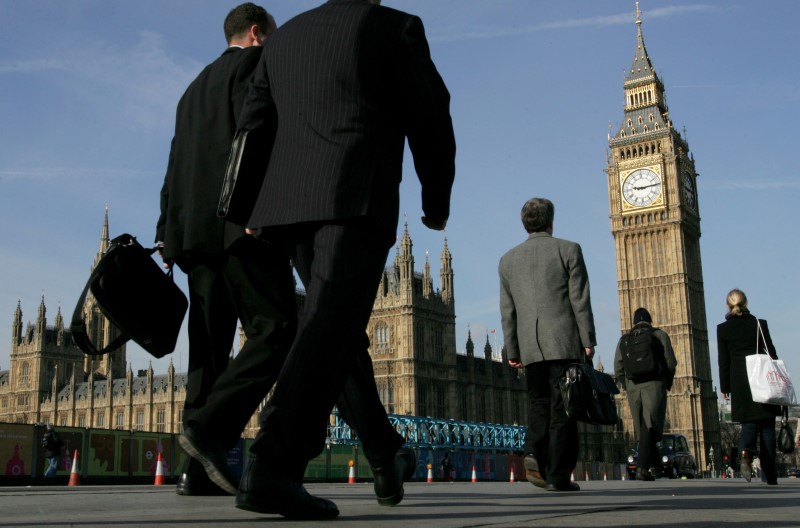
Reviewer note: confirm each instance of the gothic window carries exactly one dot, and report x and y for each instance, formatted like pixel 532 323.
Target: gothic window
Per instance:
pixel 441 405
pixel 120 421
pixel 140 420
pixel 630 123
pixel 438 347
pixel 651 118
pixel 641 120
pixel 645 130
pixel 390 396
pixel 4 403
pixel 419 340
pixel 101 420
pixel 657 127
pixel 50 372
pixel 81 420
pixel 24 374
pixel 381 337
pixel 63 421
pixel 161 420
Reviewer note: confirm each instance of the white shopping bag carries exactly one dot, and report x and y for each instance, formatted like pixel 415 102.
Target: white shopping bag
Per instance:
pixel 769 380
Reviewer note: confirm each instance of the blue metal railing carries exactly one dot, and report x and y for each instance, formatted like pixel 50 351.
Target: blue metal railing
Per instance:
pixel 426 432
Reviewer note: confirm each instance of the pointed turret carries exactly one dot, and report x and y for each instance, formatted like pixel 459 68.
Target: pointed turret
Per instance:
pixel 41 319
pixel 16 326
pixel 470 344
pixel 487 349
pixel 427 280
pixel 446 274
pixel 405 263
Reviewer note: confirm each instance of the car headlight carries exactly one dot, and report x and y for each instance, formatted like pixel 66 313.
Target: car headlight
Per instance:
pixel 630 459
pixel 665 459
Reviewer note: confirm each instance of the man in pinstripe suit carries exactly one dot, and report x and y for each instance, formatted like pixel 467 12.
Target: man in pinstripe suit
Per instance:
pixel 350 81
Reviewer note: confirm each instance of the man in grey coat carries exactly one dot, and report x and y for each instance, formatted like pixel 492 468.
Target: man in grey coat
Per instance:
pixel 547 324
pixel 647 395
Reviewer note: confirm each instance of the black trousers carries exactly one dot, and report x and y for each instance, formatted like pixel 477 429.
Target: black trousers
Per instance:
pixel 251 282
pixel 552 436
pixel 340 265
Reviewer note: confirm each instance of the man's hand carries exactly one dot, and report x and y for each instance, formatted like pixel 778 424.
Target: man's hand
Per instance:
pixel 515 363
pixel 436 225
pixel 589 353
pixel 160 248
pixel 253 231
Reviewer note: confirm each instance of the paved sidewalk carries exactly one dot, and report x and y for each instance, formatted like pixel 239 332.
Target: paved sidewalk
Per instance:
pixel 685 503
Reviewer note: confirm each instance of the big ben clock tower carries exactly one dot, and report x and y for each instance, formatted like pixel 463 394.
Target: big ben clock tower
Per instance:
pixel 655 220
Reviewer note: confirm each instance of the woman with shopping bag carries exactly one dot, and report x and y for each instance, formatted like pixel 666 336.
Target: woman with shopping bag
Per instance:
pixel 737 339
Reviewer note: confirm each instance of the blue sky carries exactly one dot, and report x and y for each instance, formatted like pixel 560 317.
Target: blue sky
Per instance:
pixel 89 89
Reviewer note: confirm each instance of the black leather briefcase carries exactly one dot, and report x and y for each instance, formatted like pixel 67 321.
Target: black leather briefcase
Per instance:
pixel 244 174
pixel 136 295
pixel 589 394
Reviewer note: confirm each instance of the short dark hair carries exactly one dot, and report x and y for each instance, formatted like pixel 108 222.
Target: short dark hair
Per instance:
pixel 242 17
pixel 537 214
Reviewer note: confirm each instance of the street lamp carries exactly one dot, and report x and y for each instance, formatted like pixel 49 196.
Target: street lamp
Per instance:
pixel 711 459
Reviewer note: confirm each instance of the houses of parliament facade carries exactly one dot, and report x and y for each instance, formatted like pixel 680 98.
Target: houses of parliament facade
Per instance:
pixel 413 347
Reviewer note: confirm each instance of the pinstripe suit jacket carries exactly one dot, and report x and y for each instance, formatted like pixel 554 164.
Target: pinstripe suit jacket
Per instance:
pixel 544 300
pixel 350 81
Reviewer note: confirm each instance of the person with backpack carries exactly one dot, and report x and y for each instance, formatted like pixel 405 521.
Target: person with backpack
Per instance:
pixel 52 450
pixel 644 364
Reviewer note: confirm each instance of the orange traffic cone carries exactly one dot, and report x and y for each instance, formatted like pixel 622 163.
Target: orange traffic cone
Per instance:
pixel 511 478
pixel 474 475
pixel 74 476
pixel 351 478
pixel 159 472
pixel 430 472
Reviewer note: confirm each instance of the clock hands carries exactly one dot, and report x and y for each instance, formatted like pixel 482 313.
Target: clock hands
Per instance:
pixel 640 187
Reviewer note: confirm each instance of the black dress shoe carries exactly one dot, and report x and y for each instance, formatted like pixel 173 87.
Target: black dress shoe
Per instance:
pixel 213 457
pixel 532 472
pixel 389 479
pixel 264 492
pixel 562 486
pixel 198 485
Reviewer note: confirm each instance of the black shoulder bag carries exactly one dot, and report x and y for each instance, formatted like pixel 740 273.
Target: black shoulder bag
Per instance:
pixel 589 394
pixel 135 294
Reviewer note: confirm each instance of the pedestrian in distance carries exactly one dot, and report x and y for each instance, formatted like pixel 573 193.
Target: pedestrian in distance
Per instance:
pixel 52 450
pixel 738 337
pixel 548 323
pixel 644 364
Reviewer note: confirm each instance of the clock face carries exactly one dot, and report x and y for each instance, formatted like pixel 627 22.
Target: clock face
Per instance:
pixel 688 189
pixel 641 187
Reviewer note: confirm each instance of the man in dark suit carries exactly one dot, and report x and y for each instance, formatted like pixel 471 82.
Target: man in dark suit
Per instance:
pixel 230 275
pixel 350 81
pixel 547 323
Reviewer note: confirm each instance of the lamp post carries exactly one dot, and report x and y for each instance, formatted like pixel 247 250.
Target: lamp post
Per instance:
pixel 711 459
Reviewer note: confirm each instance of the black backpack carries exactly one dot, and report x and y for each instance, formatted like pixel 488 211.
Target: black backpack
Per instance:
pixel 642 354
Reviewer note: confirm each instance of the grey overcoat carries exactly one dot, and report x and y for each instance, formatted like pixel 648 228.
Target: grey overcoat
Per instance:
pixel 544 300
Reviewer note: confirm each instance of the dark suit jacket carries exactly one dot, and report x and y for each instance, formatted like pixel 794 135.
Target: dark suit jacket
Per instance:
pixel 338 152
pixel 205 124
pixel 736 339
pixel 545 305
